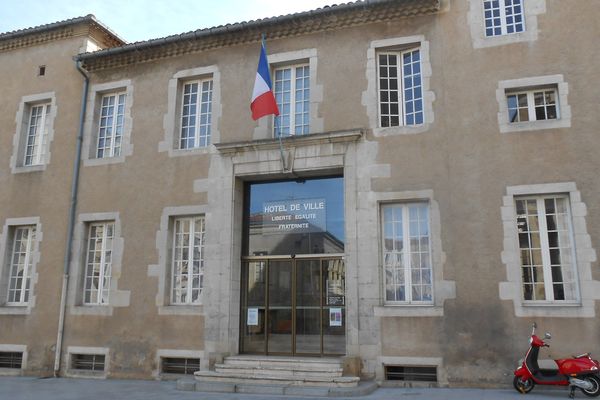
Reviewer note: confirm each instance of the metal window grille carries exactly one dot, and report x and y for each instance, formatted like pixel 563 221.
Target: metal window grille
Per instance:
pixel 174 365
pixel 11 359
pixel 410 373
pixel 110 131
pixel 88 362
pixel 21 261
pixel 196 114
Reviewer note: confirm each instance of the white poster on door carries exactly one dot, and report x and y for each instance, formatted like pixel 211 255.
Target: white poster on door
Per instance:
pixel 252 319
pixel 335 317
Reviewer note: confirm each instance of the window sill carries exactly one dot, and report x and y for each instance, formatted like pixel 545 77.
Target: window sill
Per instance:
pixel 100 310
pixel 548 304
pixel 535 125
pixel 15 310
pixel 11 371
pixel 184 309
pixel 401 130
pixel 29 168
pixel 409 310
pixel 191 152
pixel 76 373
pixel 92 162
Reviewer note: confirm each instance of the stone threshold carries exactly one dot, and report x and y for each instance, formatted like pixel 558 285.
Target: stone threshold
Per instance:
pixel 362 389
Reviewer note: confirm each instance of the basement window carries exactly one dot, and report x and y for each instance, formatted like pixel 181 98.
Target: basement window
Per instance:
pixel 176 365
pixel 11 359
pixel 88 362
pixel 410 373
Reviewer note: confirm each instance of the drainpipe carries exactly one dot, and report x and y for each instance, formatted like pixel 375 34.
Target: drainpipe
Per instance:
pixel 71 222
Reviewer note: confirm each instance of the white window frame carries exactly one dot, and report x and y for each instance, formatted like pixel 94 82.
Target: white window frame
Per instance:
pixel 545 250
pixel 293 104
pixel 105 273
pixel 26 285
pixel 116 127
pixel 39 140
pixel 179 256
pixel 531 106
pixel 503 18
pixel 198 117
pixel 402 101
pixel 407 267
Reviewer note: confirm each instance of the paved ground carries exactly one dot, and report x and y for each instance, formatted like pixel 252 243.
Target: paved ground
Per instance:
pixel 12 388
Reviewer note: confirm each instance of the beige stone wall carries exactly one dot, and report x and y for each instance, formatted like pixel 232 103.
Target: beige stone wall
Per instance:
pixel 461 160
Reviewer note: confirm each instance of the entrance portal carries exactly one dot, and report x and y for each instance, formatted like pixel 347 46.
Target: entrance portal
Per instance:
pixel 293 272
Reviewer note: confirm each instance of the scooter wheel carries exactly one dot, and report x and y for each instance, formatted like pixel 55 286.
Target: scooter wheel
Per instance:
pixel 595 390
pixel 525 386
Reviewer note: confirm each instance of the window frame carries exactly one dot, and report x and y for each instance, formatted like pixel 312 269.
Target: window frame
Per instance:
pixel 103 275
pixel 400 75
pixel 26 279
pixel 293 102
pixel 407 267
pixel 41 135
pixel 198 117
pixel 531 106
pixel 113 149
pixel 503 18
pixel 173 289
pixel 548 280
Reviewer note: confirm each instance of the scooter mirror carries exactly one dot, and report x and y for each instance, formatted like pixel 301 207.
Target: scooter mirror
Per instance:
pixel 547 335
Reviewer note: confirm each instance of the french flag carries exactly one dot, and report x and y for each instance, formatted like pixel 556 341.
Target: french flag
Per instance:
pixel 263 101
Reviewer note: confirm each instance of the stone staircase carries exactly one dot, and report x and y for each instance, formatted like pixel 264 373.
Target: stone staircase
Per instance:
pixel 281 371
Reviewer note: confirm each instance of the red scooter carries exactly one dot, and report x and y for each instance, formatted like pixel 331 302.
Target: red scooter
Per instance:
pixel 578 372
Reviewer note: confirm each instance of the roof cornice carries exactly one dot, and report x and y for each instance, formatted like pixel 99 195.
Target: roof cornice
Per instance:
pixel 319 20
pixel 80 26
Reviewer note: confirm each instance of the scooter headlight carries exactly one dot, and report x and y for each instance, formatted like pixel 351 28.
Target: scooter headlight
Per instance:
pixel 530 340
pixel 594 368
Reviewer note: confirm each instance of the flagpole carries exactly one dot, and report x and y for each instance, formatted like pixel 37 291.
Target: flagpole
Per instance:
pixel 276 123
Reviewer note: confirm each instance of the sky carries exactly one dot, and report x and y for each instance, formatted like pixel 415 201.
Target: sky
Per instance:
pixel 136 20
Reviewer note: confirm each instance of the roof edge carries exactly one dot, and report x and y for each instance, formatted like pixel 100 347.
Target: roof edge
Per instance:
pixel 254 25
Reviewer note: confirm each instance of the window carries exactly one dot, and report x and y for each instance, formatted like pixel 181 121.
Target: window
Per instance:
pixel 20 268
pixel 37 135
pixel 546 248
pixel 503 17
pixel 108 123
pixel 400 88
pixel 34 134
pixel 292 94
pixel 532 105
pixel 11 359
pixel 110 130
pixel 188 260
pixel 196 113
pixel 406 253
pixel 88 362
pixel 179 365
pixel 97 278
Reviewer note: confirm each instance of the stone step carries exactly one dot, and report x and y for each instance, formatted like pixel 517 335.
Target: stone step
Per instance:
pixel 301 370
pixel 289 363
pixel 213 376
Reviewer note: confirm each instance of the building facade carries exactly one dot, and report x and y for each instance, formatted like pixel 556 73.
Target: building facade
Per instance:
pixel 426 193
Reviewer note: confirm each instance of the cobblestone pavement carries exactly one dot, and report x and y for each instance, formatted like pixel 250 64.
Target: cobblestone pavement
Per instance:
pixel 26 388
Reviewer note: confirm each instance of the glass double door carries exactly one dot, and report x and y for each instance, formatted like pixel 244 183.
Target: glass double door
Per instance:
pixel 293 306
